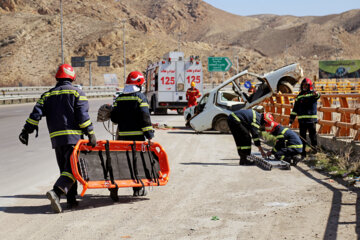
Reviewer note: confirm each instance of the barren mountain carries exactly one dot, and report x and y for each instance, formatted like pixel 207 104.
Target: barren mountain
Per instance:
pixel 30 46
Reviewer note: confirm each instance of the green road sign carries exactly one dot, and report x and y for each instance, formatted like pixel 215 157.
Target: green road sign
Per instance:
pixel 219 64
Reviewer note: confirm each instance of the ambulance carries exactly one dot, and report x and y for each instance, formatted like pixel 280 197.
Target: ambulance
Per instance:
pixel 168 79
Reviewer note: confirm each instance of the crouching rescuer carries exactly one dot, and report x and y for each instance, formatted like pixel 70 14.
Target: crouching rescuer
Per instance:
pixel 242 123
pixel 131 112
pixel 66 110
pixel 288 144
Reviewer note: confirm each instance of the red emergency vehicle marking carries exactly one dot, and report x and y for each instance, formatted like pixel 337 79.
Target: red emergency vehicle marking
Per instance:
pixel 168 80
pixel 195 79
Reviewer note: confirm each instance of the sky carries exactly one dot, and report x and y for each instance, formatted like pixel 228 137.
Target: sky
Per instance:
pixel 285 7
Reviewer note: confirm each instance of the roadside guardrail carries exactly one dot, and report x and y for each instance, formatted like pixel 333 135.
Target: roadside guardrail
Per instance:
pixel 13 95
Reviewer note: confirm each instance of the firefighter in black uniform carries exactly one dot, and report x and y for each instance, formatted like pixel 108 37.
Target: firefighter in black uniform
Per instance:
pixel 305 108
pixel 242 123
pixel 288 143
pixel 66 110
pixel 131 113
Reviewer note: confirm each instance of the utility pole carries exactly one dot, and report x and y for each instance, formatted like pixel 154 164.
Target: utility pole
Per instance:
pixel 179 38
pixel 123 22
pixel 62 36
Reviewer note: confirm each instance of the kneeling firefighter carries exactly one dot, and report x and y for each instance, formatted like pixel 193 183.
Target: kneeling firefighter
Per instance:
pixel 131 112
pixel 288 143
pixel 66 110
pixel 242 123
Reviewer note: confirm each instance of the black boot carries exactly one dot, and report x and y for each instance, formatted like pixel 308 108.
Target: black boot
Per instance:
pixel 114 194
pixel 71 202
pixel 139 191
pixel 242 161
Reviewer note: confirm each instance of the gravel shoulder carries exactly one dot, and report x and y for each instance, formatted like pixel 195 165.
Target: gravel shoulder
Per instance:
pixel 209 196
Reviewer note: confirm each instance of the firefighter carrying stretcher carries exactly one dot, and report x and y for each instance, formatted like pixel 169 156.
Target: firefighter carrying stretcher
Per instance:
pixel 192 94
pixel 131 112
pixel 66 110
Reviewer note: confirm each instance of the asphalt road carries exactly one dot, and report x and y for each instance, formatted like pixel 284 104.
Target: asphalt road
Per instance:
pixel 209 196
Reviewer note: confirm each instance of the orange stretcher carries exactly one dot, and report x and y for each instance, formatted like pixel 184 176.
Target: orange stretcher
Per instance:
pixel 119 164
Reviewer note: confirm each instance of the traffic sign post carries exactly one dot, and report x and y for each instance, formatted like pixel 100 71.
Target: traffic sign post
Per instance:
pixel 102 61
pixel 219 64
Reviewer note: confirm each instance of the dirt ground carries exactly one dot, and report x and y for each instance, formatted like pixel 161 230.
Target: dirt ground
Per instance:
pixel 209 196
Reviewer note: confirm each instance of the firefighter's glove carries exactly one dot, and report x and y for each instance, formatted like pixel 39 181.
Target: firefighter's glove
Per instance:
pixel 24 137
pixel 268 154
pixel 92 140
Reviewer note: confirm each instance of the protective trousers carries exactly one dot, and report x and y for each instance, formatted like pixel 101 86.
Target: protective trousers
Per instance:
pixel 286 153
pixel 311 127
pixel 241 136
pixel 66 182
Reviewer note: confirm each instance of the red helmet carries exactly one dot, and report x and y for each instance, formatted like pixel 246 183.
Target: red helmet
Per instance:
pixel 268 118
pixel 135 78
pixel 270 124
pixel 308 82
pixel 65 71
pixel 270 127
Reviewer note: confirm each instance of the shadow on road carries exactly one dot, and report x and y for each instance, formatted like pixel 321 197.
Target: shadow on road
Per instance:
pixel 334 216
pixel 87 202
pixel 198 133
pixel 210 164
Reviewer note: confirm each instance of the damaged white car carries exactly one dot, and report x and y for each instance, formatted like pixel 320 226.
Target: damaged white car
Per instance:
pixel 231 95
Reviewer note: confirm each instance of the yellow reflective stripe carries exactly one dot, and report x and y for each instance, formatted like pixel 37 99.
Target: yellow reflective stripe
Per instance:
pixel 284 131
pixel 115 104
pixel 147 128
pixel 254 120
pixel 256 139
pixel 307 116
pixel 306 95
pixel 279 136
pixel 133 133
pixel 69 175
pixel 244 147
pixel 65 91
pixel 293 113
pixel 85 124
pixel 65 132
pixel 236 118
pixel 32 121
pixel 296 146
pixel 282 157
pixel 274 149
pixel 127 98
pixel 144 105
pixel 83 98
pixel 40 101
pixel 91 132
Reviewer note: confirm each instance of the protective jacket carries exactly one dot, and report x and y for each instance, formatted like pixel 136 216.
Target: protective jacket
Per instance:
pixel 131 113
pixel 286 138
pixel 191 95
pixel 305 107
pixel 66 110
pixel 251 120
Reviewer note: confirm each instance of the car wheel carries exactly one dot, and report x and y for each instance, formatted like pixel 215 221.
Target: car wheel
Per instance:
pixel 285 87
pixel 221 125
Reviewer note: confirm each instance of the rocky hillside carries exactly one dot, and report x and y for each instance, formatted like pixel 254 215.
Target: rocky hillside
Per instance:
pixel 30 47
